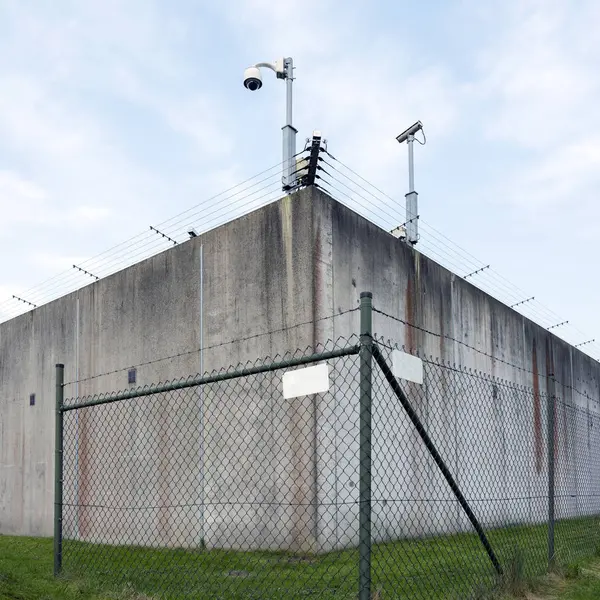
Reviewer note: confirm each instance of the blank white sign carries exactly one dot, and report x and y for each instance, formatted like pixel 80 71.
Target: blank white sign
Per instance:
pixel 406 366
pixel 302 382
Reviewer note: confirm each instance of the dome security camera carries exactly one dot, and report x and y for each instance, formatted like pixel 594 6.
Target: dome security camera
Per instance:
pixel 283 69
pixel 252 79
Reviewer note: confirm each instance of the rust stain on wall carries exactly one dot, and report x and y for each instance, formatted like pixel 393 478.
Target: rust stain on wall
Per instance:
pixel 317 286
pixel 410 316
pixel 537 412
pixel 442 327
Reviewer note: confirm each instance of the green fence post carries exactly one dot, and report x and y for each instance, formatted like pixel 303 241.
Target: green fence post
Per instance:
pixel 364 535
pixel 58 470
pixel 551 497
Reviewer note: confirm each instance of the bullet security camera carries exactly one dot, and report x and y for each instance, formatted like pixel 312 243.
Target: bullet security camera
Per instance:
pixel 252 79
pixel 410 131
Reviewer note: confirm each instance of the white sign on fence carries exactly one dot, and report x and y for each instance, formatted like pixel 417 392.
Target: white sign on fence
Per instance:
pixel 406 366
pixel 302 382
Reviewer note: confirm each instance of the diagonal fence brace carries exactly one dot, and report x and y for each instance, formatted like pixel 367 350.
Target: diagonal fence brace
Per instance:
pixel 412 415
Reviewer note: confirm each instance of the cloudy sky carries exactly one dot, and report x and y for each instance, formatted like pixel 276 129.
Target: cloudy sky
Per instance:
pixel 118 114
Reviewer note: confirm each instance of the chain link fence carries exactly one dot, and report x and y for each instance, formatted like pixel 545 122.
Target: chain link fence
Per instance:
pixel 219 487
pixel 243 484
pixel 577 475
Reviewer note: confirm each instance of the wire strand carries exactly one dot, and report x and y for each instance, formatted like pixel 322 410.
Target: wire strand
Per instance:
pixel 212 347
pixel 493 279
pixel 337 179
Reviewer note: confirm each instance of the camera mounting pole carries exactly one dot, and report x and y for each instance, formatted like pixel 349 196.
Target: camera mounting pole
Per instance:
pixel 412 198
pixel 289 131
pixel 284 69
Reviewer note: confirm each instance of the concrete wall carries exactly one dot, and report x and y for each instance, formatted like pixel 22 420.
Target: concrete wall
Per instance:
pixel 294 262
pixel 496 447
pixel 257 278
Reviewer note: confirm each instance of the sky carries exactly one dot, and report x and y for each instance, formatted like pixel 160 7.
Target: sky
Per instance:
pixel 119 114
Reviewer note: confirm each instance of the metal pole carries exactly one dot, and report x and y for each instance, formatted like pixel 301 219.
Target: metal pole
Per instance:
pixel 289 131
pixel 76 494
pixel 201 390
pixel 366 360
pixel 411 164
pixel 412 198
pixel 551 498
pixel 58 470
pixel 214 378
pixel 289 70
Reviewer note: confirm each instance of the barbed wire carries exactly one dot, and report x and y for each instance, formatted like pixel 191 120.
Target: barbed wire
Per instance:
pixel 450 339
pixel 440 246
pixel 145 248
pixel 337 179
pixel 147 243
pixel 474 349
pixel 212 346
pixel 453 247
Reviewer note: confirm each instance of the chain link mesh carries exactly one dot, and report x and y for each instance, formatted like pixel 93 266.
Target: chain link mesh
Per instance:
pixel 229 490
pixel 224 490
pixel 577 476
pixel 492 436
pixel 482 428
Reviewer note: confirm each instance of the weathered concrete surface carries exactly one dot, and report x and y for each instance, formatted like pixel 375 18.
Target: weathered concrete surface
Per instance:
pixel 476 429
pixel 258 277
pixel 285 269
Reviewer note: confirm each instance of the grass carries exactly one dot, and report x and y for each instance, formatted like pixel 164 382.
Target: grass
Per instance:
pixel 446 567
pixel 577 581
pixel 585 586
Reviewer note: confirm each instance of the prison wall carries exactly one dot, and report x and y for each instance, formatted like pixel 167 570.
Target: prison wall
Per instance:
pixel 281 279
pixel 223 291
pixel 495 444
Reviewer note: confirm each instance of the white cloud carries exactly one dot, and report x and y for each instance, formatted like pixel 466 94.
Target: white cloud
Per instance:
pixel 55 262
pixel 541 80
pixel 575 163
pixel 359 87
pixel 34 121
pixel 89 214
pixel 196 116
pixel 73 155
pixel 539 88
pixel 115 114
pixel 15 187
pixel 21 201
pixel 200 120
pixel 73 162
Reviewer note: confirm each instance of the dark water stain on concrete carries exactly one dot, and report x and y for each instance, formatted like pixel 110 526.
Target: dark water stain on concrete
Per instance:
pixel 537 411
pixel 550 371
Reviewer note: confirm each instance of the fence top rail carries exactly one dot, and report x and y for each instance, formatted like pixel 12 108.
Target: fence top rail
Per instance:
pixel 109 398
